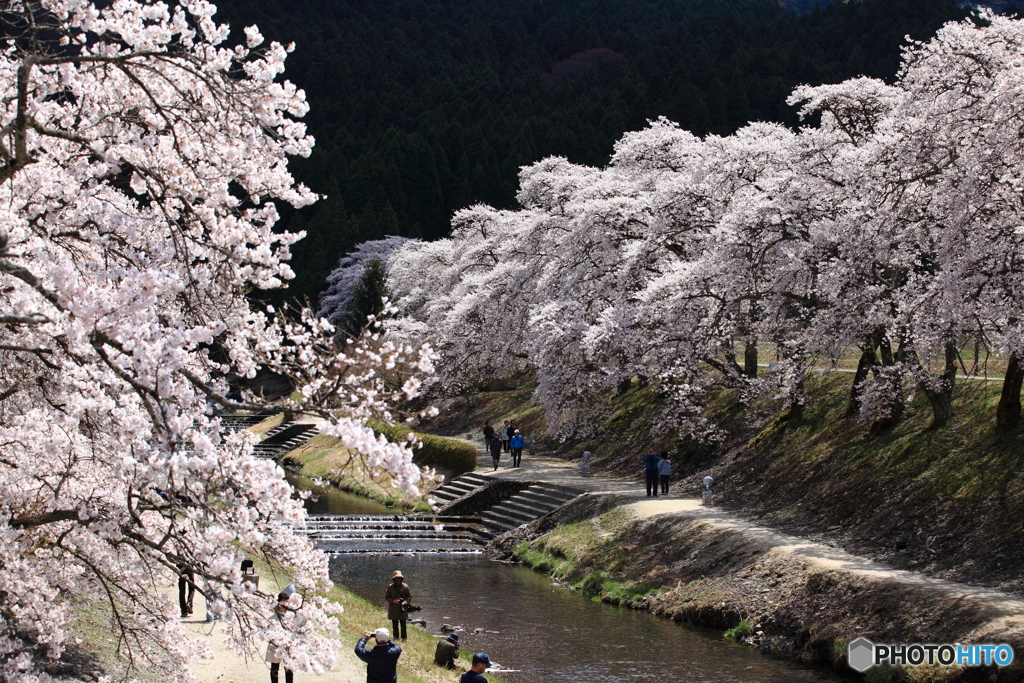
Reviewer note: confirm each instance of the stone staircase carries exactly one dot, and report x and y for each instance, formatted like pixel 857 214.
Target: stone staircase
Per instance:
pixel 284 438
pixel 459 487
pixel 508 510
pixel 527 505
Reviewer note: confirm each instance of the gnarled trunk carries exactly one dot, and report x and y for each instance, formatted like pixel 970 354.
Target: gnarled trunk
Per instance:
pixel 750 359
pixel 941 395
pixel 868 360
pixel 890 359
pixel 1008 409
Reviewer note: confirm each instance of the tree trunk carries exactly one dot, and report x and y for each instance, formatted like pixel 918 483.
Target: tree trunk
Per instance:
pixel 796 374
pixel 868 360
pixel 1008 410
pixel 750 359
pixel 796 405
pixel 941 397
pixel 731 364
pixel 896 408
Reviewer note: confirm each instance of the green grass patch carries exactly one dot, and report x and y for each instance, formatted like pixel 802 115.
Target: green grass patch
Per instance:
pixel 738 632
pixel 323 457
pixel 451 456
pixel 268 424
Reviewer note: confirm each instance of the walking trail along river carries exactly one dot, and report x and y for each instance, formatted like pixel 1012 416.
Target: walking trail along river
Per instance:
pixel 1008 610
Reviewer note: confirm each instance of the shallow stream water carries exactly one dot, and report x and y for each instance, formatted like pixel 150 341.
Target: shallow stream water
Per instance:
pixel 549 632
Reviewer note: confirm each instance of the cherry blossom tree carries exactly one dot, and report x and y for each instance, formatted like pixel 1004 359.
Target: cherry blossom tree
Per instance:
pixel 140 159
pixel 343 282
pixel 891 226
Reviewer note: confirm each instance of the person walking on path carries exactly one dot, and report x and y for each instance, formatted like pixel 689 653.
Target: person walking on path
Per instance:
pixel 273 655
pixel 517 442
pixel 488 434
pixel 447 652
pixel 382 659
pixel 651 461
pixel 496 451
pixel 664 472
pixel 480 663
pixel 505 433
pixel 186 589
pixel 398 596
pixel 585 465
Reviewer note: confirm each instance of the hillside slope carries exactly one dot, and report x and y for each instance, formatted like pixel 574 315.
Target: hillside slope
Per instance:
pixel 955 495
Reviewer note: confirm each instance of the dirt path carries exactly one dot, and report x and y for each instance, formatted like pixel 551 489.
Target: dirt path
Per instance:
pixel 555 471
pixel 228 667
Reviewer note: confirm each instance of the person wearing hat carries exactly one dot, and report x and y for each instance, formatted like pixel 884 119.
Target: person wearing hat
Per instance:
pixel 273 654
pixel 447 652
pixel 398 596
pixel 480 663
pixel 382 659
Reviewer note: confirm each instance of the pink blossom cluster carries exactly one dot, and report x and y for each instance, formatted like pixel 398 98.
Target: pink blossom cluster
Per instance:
pixel 140 159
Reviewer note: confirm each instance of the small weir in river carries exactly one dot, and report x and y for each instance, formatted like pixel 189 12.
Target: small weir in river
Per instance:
pixel 397 534
pixel 524 620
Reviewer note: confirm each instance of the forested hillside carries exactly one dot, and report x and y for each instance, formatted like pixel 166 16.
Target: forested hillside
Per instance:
pixel 422 107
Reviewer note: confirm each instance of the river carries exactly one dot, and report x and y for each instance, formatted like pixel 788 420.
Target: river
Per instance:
pixel 551 633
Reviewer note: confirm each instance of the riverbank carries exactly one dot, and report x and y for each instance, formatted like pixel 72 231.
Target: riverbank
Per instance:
pixel 416 664
pixel 780 593
pixel 323 458
pixel 954 494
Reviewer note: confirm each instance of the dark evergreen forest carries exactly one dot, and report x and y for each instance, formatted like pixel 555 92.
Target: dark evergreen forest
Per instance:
pixel 421 107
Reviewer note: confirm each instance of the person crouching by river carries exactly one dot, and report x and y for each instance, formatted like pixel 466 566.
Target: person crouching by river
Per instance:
pixel 495 451
pixel 398 596
pixel 382 659
pixel 447 652
pixel 480 663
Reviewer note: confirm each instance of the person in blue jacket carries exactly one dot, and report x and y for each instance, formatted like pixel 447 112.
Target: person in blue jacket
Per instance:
pixel 517 443
pixel 651 462
pixel 382 660
pixel 480 663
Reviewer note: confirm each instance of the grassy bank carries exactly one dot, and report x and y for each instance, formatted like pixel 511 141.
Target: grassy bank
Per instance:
pixel 323 457
pixel 416 664
pixel 954 495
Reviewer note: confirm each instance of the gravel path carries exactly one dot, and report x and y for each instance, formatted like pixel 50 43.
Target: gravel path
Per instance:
pixel 228 667
pixel 557 471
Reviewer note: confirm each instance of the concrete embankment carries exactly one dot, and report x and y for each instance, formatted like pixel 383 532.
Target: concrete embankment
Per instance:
pixel 708 567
